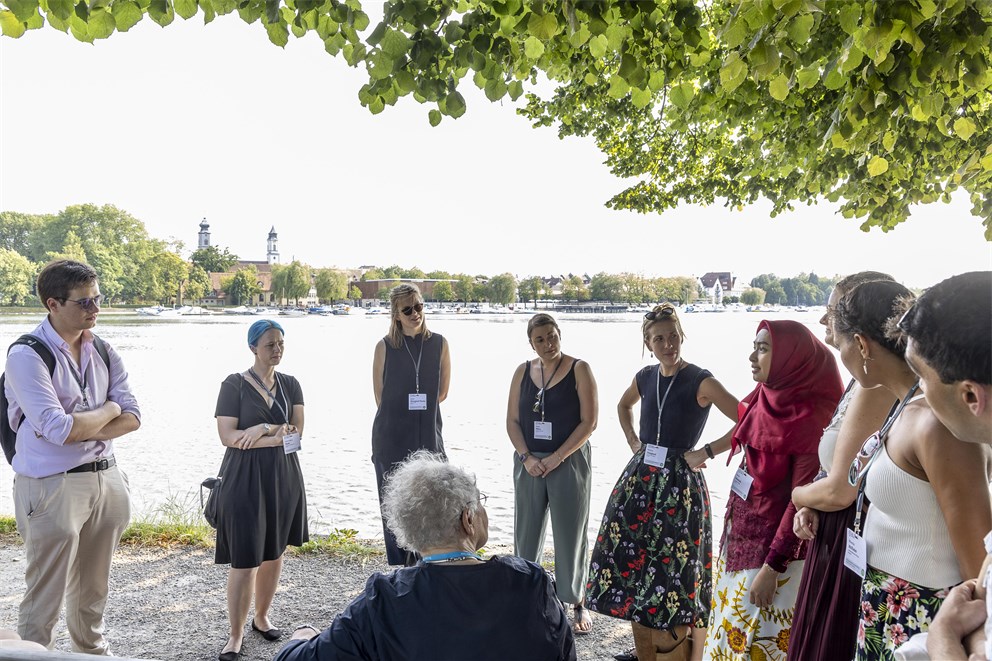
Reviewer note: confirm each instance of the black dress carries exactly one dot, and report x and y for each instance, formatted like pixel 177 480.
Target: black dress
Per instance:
pixel 262 504
pixel 398 431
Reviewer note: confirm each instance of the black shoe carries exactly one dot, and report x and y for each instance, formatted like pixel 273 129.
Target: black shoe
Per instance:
pixel 629 655
pixel 229 656
pixel 271 634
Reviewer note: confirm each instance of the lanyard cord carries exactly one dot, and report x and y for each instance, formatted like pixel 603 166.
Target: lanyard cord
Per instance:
pixel 80 380
pixel 882 435
pixel 544 384
pixel 416 363
pixel 282 409
pixel 661 400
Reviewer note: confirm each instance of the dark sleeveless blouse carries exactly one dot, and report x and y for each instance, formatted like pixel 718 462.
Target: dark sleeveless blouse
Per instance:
pixel 561 409
pixel 683 419
pixel 397 431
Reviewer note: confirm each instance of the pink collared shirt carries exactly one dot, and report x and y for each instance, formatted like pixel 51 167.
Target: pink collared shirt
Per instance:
pixel 48 402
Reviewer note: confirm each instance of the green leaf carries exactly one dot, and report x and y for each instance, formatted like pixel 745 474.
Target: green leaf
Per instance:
pixel 434 117
pixel 779 87
pixel 597 45
pixel 640 98
pixel 733 72
pixel 877 165
pixel 850 17
pixel 927 8
pixel 799 29
pixel 987 162
pixel 360 20
pixel 61 8
pixel 964 127
pixel 735 34
pixel 618 87
pixel 808 77
pixel 889 140
pixel 376 105
pixel 495 89
pixel 533 48
pixel 278 33
pixel 186 8
pixel 542 26
pixel 22 9
pixel 455 104
pixel 10 26
pixel 579 37
pixel 516 88
pixel 682 94
pixel 395 43
pixel 591 79
pixel 101 24
pixel 126 14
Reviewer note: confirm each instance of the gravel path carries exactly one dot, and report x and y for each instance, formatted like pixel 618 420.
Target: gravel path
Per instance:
pixel 170 604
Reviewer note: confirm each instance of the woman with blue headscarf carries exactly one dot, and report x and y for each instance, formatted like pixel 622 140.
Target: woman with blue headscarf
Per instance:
pixel 261 503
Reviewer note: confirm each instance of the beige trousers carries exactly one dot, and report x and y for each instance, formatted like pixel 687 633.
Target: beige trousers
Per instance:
pixel 71 524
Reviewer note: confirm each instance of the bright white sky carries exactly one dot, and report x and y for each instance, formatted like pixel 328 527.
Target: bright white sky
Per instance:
pixel 177 124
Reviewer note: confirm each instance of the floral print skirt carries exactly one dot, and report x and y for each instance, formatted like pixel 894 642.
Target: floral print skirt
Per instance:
pixel 652 560
pixel 740 631
pixel 892 610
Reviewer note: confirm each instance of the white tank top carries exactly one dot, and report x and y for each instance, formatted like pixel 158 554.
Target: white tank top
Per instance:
pixel 828 441
pixel 905 530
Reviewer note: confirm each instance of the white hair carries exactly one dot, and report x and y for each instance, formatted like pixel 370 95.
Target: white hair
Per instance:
pixel 424 499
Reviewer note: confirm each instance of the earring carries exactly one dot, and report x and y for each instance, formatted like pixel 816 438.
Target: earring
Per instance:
pixel 864 365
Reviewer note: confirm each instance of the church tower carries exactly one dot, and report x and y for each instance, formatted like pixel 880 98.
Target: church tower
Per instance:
pixel 273 252
pixel 203 238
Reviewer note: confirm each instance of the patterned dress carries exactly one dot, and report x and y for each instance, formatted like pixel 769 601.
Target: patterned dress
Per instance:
pixel 652 560
pixel 893 610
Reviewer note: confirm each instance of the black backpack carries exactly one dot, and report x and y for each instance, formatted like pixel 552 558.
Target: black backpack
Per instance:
pixel 8 437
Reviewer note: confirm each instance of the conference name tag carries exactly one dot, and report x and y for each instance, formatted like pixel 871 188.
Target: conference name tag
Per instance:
pixel 292 442
pixel 856 556
pixel 417 401
pixel 655 455
pixel 742 484
pixel 542 430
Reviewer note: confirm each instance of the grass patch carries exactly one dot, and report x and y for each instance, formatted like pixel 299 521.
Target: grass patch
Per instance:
pixel 176 522
pixel 340 543
pixel 8 526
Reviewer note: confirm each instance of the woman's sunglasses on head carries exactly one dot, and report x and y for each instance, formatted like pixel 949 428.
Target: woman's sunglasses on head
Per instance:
pixel 657 314
pixel 408 310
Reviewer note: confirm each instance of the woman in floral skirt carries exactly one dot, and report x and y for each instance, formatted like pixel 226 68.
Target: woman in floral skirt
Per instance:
pixel 651 563
pixel 781 420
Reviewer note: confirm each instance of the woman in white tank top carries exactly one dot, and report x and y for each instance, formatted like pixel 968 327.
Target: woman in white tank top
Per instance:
pixel 929 505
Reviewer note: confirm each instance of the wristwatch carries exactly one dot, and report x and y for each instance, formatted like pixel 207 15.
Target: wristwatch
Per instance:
pixel 268 428
pixel 522 457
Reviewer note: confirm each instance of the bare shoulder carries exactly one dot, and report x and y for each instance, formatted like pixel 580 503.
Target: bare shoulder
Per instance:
pixel 934 442
pixel 582 368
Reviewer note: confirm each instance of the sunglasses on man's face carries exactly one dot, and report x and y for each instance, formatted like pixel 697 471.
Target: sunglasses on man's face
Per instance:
pixel 91 303
pixel 408 310
pixel 657 314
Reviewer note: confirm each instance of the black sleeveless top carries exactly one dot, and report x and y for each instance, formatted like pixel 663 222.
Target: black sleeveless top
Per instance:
pixel 397 431
pixel 561 409
pixel 683 419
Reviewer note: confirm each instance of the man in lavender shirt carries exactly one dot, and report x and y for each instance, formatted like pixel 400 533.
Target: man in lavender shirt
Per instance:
pixel 70 500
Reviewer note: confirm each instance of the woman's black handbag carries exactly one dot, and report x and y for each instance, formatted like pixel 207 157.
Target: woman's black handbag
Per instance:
pixel 210 506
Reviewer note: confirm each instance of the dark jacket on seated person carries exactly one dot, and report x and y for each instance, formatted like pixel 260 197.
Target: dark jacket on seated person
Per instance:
pixel 503 609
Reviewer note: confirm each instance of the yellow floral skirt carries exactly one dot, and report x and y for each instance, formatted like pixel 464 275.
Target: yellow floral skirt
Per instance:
pixel 740 631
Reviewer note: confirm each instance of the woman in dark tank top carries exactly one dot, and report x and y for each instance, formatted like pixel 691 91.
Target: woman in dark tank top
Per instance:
pixel 410 374
pixel 551 413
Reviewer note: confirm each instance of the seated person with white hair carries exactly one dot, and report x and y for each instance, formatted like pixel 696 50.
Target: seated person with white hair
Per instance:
pixel 452 605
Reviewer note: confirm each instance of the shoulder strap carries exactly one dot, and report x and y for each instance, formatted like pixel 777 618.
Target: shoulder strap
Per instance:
pixel 39 347
pixel 101 348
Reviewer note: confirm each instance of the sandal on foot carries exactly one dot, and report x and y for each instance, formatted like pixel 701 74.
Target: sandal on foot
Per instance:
pixel 580 615
pixel 629 655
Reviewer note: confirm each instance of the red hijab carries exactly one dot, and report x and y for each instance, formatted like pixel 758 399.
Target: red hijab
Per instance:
pixel 787 414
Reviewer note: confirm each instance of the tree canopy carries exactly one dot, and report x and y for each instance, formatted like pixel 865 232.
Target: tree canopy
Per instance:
pixel 874 104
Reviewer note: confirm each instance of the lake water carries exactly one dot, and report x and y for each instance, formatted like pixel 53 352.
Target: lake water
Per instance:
pixel 176 367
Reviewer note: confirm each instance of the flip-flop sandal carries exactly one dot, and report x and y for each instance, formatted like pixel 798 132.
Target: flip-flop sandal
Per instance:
pixel 579 614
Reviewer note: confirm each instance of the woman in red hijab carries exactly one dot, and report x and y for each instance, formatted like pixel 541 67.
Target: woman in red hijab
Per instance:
pixel 781 420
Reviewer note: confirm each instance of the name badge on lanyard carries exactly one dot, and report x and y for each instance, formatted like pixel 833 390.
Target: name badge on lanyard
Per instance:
pixel 542 430
pixel 856 555
pixel 742 483
pixel 417 401
pixel 655 455
pixel 292 443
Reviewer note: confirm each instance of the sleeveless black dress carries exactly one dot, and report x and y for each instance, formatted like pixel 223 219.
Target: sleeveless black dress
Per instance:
pixel 398 431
